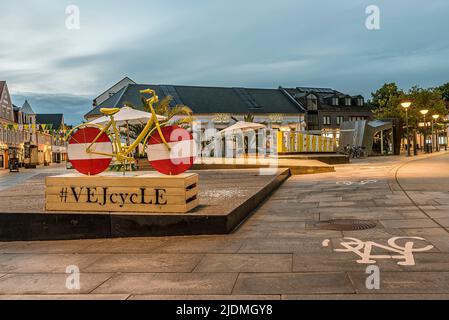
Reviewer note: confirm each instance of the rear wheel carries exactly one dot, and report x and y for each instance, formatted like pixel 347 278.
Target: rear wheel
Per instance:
pixel 89 163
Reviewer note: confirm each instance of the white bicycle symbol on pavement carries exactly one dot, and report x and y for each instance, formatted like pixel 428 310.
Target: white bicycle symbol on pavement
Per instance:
pixel 364 250
pixel 350 183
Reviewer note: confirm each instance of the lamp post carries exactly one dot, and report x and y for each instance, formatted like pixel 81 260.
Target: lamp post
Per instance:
pixel 406 104
pixel 424 112
pixel 435 134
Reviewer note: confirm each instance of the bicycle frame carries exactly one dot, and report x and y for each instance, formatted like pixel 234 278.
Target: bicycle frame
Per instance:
pixel 122 154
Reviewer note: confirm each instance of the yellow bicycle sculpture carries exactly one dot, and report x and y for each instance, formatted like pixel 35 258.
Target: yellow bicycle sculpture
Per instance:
pixel 93 146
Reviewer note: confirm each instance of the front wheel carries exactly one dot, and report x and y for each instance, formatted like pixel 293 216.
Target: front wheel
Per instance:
pixel 97 159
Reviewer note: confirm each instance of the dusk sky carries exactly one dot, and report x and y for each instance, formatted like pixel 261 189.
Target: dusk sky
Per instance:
pixel 217 43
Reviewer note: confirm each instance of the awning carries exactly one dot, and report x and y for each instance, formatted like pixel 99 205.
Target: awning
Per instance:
pixel 379 125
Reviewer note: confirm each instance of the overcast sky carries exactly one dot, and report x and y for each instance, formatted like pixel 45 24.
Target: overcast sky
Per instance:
pixel 224 43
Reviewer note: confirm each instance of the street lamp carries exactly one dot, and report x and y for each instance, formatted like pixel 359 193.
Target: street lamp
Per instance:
pixel 424 112
pixel 406 104
pixel 435 134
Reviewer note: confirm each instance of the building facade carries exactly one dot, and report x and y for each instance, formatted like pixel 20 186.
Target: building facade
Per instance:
pixel 11 138
pixel 32 139
pixel 220 106
pixel 327 108
pixel 53 130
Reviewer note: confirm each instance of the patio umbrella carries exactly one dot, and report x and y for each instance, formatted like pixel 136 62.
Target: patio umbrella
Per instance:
pixel 243 127
pixel 127 116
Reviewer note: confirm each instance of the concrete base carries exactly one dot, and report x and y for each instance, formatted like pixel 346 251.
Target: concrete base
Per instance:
pixel 297 166
pixel 328 158
pixel 215 215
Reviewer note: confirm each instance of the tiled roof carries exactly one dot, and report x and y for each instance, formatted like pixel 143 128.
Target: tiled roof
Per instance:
pixel 56 119
pixel 26 108
pixel 207 100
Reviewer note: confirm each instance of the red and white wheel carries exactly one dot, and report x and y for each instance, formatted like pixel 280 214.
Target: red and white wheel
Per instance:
pixel 89 163
pixel 181 156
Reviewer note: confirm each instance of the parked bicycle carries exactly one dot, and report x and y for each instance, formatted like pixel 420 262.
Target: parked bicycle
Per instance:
pixel 353 151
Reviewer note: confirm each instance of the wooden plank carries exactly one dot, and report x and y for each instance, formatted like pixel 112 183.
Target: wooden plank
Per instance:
pixel 83 207
pixel 150 193
pixel 56 190
pixel 104 181
pixel 118 198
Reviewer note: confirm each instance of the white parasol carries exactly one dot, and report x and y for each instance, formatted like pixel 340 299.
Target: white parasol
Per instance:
pixel 126 116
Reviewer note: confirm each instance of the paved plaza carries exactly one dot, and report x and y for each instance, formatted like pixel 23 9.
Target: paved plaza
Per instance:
pixel 278 253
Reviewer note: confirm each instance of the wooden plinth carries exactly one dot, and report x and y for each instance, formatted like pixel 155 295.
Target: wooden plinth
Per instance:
pixel 113 192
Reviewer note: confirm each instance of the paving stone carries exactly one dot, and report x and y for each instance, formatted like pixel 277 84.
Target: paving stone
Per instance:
pixel 405 282
pixel 114 297
pixel 131 245
pixel 47 246
pixel 444 222
pixel 334 204
pixel 134 263
pixel 169 283
pixel 375 233
pixel 425 232
pixel 283 246
pixel 336 262
pixel 205 297
pixel 44 263
pixel 430 261
pixel 440 242
pixel 409 223
pixel 202 245
pixel 372 296
pixel 292 283
pixel 274 226
pixel 245 263
pixel 48 283
pixel 438 213
pixel 285 217
pixel 360 215
pixel 306 234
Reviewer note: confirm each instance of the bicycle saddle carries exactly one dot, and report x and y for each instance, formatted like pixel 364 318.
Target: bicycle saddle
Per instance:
pixel 109 111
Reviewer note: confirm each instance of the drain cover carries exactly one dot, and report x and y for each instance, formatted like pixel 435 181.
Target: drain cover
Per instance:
pixel 346 224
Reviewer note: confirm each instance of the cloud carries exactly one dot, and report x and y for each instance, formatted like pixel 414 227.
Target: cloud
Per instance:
pixel 230 43
pixel 72 106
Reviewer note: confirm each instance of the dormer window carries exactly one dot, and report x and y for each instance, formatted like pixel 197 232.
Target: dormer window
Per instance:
pixel 335 101
pixel 312 102
pixel 360 102
pixel 347 101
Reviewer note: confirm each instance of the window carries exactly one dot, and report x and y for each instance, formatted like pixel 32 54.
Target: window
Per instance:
pixel 335 101
pixel 360 102
pixel 348 101
pixel 340 119
pixel 356 118
pixel 326 120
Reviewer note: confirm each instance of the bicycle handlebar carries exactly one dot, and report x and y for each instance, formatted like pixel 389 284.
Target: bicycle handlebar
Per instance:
pixel 149 91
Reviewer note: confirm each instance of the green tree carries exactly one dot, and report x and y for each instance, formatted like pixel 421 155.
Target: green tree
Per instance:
pixel 444 91
pixel 386 102
pixel 425 99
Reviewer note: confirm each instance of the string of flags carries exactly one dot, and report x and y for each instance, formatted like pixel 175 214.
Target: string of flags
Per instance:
pixel 47 128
